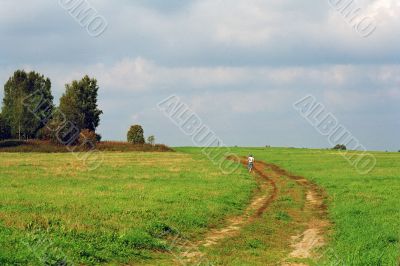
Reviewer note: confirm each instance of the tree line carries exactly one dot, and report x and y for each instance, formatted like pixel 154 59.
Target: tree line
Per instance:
pixel 28 111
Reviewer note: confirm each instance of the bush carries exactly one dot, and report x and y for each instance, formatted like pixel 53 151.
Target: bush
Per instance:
pixel 340 147
pixel 11 143
pixel 136 135
pixel 98 137
pixel 127 147
pixel 51 147
pixel 88 138
pixel 66 134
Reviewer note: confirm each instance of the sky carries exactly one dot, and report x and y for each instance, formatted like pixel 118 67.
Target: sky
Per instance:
pixel 239 65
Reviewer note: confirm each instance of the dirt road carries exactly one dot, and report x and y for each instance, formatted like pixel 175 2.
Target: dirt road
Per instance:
pixel 303 245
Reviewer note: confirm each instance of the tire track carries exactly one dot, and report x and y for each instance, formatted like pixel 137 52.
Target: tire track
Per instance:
pixel 269 175
pixel 259 168
pixel 256 208
pixel 305 244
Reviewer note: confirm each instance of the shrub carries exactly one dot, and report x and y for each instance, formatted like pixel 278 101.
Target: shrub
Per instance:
pixel 136 135
pixel 67 134
pixel 11 143
pixel 88 138
pixel 126 147
pixel 50 147
pixel 98 137
pixel 340 147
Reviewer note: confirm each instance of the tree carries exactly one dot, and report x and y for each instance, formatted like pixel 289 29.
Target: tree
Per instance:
pixel 151 140
pixel 136 135
pixel 340 147
pixel 5 130
pixel 49 132
pixel 27 103
pixel 79 104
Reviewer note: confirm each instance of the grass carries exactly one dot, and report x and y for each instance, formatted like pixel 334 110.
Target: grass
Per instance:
pixel 365 209
pixel 52 209
pixel 125 212
pixel 266 240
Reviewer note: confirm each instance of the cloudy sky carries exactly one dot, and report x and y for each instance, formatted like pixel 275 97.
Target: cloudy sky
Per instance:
pixel 239 64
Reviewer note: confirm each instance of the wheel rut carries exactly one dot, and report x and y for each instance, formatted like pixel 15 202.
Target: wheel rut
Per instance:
pixel 268 175
pixel 305 244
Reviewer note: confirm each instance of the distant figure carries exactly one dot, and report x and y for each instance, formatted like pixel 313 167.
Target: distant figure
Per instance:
pixel 250 161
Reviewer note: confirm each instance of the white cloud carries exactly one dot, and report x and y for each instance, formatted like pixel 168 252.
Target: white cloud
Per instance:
pixel 246 101
pixel 384 9
pixel 224 56
pixel 140 75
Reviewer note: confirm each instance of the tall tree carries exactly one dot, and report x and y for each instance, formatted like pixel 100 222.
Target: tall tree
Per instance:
pixel 5 130
pixel 27 103
pixel 79 103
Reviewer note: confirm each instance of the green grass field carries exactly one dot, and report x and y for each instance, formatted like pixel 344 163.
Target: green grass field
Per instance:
pixel 364 209
pixel 127 211
pixel 114 214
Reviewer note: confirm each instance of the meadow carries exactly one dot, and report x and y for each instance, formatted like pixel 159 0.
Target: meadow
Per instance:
pixel 364 209
pixel 52 210
pixel 129 210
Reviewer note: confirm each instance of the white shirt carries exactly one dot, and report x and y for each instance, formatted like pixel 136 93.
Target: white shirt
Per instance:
pixel 251 159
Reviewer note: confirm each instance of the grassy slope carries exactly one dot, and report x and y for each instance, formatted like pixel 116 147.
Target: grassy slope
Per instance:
pixel 51 208
pixel 365 209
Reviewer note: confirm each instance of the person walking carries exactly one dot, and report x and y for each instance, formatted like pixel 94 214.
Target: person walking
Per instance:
pixel 250 161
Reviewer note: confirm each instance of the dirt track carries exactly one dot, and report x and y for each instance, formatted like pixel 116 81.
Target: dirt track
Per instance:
pixel 304 244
